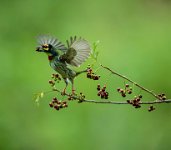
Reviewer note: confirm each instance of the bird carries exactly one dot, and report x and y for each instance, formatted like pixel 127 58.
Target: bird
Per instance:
pixel 62 57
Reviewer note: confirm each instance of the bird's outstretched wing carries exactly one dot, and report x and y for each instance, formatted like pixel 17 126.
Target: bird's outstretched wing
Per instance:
pixel 78 51
pixel 47 39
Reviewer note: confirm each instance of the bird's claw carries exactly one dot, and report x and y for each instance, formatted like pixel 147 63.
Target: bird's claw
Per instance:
pixel 63 92
pixel 73 92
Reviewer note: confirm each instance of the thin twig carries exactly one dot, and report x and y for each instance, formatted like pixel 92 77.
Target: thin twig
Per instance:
pixel 131 81
pixel 115 102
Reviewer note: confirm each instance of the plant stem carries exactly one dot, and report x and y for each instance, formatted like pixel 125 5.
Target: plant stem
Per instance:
pixel 113 102
pixel 131 81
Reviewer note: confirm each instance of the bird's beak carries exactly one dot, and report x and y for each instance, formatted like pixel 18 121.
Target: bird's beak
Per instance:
pixel 38 49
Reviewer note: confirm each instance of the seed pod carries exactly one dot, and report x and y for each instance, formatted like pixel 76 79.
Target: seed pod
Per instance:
pixel 123 95
pixel 56 107
pixel 127 85
pixel 129 92
pixel 51 104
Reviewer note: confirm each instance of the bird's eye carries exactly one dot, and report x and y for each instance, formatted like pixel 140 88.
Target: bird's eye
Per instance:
pixel 45 47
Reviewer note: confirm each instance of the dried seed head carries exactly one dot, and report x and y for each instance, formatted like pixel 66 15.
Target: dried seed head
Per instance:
pixel 162 94
pixel 51 104
pixel 129 101
pixel 103 89
pixel 118 89
pixel 64 102
pixel 98 87
pixel 138 99
pixel 64 105
pixel 129 91
pixel 151 108
pixel 140 96
pixel 102 96
pixel 164 98
pixel 99 93
pixel 123 95
pixel 56 107
pixel 126 85
pixel 122 91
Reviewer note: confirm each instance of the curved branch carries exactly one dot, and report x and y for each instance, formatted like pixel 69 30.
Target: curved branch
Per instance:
pixel 136 84
pixel 113 102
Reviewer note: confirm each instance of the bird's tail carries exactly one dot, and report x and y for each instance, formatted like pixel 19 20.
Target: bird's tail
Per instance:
pixel 80 72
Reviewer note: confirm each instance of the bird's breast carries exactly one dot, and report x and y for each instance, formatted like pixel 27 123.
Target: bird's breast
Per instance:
pixel 60 68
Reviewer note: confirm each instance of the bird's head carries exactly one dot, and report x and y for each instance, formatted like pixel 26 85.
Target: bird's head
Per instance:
pixel 49 45
pixel 46 48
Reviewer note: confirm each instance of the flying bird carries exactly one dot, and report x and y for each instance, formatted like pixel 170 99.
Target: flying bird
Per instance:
pixel 61 57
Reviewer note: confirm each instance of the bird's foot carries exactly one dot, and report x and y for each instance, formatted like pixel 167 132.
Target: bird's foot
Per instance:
pixel 63 92
pixel 73 92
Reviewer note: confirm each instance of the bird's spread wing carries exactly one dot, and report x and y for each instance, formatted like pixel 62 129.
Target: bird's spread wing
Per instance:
pixel 78 51
pixel 46 39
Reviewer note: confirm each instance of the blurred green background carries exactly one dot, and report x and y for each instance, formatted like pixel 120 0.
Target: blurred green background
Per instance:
pixel 135 40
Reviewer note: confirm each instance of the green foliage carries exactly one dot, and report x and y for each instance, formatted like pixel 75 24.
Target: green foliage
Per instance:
pixel 94 53
pixel 38 96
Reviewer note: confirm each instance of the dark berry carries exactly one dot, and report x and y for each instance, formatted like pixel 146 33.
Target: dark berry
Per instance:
pixel 106 93
pixel 151 108
pixel 106 97
pixel 60 106
pixel 51 104
pixel 98 88
pixel 51 82
pixel 55 99
pixel 127 85
pixel 129 101
pixel 140 96
pixel 99 93
pixel 58 102
pixel 138 99
pixel 88 75
pixel 56 107
pixel 123 95
pixel 164 98
pixel 118 89
pixel 122 91
pixel 102 95
pixel 129 92
pixel 65 105
pixel 96 77
pixel 69 98
pixel 64 102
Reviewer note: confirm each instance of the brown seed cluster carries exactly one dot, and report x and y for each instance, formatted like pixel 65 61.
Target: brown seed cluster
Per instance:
pixel 162 96
pixel 102 92
pixel 56 77
pixel 91 74
pixel 126 90
pixel 51 82
pixel 70 97
pixel 81 98
pixel 136 101
pixel 57 104
pixel 151 108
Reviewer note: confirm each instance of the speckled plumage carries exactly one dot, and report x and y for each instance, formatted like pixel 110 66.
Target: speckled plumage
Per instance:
pixel 60 56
